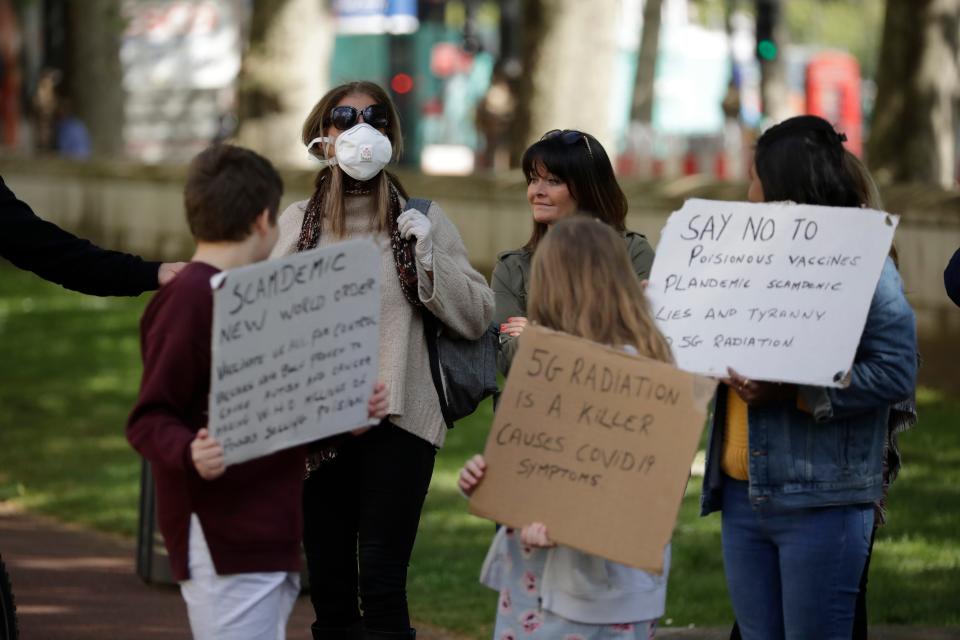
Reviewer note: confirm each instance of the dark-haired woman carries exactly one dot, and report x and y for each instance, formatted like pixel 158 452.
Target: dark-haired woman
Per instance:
pixel 363 495
pixel 567 172
pixel 795 470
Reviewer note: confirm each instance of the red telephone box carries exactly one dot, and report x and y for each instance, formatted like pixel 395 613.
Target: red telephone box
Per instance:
pixel 9 75
pixel 833 93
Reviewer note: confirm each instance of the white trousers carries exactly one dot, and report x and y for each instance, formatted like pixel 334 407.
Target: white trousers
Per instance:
pixel 242 606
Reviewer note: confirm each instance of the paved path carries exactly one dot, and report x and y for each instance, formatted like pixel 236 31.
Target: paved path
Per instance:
pixel 74 584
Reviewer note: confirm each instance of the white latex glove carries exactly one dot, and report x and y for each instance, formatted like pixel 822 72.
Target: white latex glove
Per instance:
pixel 413 223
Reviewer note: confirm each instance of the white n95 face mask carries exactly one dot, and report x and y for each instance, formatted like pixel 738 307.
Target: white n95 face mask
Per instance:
pixel 361 151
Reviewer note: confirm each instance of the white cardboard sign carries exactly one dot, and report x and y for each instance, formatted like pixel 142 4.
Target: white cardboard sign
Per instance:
pixel 295 343
pixel 777 291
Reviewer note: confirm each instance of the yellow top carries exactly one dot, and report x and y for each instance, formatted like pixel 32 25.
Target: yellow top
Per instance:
pixel 736 444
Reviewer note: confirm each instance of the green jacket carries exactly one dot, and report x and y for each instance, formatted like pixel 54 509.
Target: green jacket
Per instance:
pixel 511 280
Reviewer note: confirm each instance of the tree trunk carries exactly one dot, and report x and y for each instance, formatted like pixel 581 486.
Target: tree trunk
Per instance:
pixel 642 107
pixel 913 134
pixel 534 24
pixel 94 72
pixel 285 71
pixel 570 54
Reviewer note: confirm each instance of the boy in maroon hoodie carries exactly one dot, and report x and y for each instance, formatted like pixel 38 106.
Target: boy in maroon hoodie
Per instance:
pixel 233 535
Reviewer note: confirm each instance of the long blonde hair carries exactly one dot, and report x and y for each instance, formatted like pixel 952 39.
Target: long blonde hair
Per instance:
pixel 582 283
pixel 867 190
pixel 329 190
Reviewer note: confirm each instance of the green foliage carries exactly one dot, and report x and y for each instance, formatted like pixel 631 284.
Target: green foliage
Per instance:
pixel 816 23
pixel 915 571
pixel 444 586
pixel 830 24
pixel 69 371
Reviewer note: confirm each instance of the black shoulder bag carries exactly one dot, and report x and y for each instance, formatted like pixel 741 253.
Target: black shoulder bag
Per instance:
pixel 464 371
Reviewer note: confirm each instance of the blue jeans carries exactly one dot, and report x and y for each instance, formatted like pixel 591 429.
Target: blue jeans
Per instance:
pixel 794 574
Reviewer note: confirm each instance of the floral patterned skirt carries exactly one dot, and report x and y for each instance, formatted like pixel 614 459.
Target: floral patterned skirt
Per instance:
pixel 520 616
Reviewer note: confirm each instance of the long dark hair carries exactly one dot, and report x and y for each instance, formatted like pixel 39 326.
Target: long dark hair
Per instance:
pixel 802 160
pixel 580 161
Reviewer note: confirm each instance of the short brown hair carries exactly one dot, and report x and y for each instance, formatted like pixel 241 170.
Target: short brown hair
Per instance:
pixel 227 188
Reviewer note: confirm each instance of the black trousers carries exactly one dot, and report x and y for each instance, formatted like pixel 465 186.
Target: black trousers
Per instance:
pixel 361 513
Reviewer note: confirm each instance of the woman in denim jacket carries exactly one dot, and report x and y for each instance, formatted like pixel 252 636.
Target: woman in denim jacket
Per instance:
pixel 795 470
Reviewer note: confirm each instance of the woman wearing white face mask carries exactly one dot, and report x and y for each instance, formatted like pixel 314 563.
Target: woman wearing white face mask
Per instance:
pixel 363 494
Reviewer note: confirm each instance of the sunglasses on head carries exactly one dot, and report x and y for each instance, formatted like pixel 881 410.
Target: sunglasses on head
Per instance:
pixel 345 117
pixel 569 136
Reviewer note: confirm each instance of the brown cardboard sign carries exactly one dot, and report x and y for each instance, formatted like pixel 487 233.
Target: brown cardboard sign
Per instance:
pixel 596 444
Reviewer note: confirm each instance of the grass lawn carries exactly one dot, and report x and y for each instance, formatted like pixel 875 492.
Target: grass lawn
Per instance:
pixel 69 371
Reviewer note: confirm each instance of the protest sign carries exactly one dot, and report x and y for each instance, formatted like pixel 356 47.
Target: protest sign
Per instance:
pixel 295 345
pixel 777 291
pixel 596 444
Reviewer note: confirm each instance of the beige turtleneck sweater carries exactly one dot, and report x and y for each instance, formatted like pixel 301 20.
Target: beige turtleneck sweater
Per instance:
pixel 457 294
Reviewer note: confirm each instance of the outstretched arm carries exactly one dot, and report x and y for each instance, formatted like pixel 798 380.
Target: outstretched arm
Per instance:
pixel 42 247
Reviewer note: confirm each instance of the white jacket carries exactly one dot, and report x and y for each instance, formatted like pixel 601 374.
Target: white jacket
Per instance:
pixel 586 588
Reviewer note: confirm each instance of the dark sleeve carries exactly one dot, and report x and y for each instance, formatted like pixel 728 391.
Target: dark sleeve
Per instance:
pixel 175 340
pixel 641 256
pixel 507 304
pixel 58 256
pixel 951 278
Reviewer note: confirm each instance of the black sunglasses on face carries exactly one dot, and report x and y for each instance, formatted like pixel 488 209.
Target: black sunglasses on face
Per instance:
pixel 569 136
pixel 345 117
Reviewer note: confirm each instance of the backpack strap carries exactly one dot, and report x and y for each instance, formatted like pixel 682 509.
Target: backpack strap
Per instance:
pixel 431 328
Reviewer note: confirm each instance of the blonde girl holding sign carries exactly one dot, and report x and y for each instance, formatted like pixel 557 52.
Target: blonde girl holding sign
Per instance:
pixel 581 283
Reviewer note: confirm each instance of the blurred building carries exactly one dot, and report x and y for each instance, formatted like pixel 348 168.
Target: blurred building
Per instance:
pixel 179 63
pixel 454 67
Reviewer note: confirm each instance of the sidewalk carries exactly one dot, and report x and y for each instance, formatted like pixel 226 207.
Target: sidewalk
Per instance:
pixel 74 584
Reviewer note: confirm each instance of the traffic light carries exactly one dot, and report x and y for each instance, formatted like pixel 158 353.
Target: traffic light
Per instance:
pixel 768 14
pixel 767 49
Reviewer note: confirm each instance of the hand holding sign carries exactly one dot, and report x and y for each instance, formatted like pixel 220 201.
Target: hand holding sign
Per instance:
pixel 535 535
pixel 379 402
pixel 758 394
pixel 471 474
pixel 207 456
